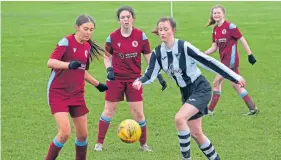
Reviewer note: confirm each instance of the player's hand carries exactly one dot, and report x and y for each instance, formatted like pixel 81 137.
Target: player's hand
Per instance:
pixel 101 87
pixel 74 64
pixel 137 84
pixel 242 82
pixel 252 59
pixel 162 82
pixel 110 73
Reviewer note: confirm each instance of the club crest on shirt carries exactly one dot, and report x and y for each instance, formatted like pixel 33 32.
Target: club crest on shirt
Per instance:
pixel 223 31
pixel 173 71
pixel 121 55
pixel 86 53
pixel 74 50
pixel 135 43
pixel 178 55
pixel 119 44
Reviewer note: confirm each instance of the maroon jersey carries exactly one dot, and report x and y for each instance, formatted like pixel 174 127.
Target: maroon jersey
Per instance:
pixel 65 82
pixel 126 53
pixel 226 37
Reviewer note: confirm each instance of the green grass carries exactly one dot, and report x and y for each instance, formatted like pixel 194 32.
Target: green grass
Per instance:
pixel 30 31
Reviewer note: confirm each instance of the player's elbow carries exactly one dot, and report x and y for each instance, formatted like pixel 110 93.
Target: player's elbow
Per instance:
pixel 214 47
pixel 50 63
pixel 107 61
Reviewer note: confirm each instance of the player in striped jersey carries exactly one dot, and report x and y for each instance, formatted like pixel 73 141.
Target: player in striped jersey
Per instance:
pixel 178 59
pixel 225 37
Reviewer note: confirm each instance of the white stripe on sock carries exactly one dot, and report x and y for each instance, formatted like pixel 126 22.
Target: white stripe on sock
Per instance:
pixel 185 149
pixel 213 156
pixel 209 150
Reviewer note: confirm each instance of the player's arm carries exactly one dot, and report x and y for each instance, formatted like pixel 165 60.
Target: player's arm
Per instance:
pixel 108 53
pixel 152 70
pixel 211 63
pixel 108 59
pixel 150 74
pixel 159 76
pixel 245 45
pixel 146 48
pixel 214 46
pixel 90 79
pixel 55 58
pixel 212 49
pixel 57 64
pixel 147 54
pixel 147 57
pixel 235 33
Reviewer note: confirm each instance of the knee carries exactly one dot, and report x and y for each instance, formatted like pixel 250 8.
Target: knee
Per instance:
pixel 139 115
pixel 64 134
pixel 82 138
pixel 180 120
pixel 109 111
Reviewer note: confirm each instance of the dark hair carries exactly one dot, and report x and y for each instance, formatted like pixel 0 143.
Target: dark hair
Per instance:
pixel 164 19
pixel 125 8
pixel 95 50
pixel 211 19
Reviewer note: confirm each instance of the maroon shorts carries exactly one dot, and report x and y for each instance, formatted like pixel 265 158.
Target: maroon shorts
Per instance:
pixel 75 107
pixel 118 88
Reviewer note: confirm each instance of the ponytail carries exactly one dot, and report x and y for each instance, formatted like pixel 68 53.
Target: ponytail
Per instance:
pixel 95 50
pixel 211 21
pixel 155 31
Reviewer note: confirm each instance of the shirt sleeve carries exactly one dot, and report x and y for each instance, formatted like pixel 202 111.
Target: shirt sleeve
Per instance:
pixel 108 46
pixel 211 63
pixel 152 70
pixel 60 49
pixel 234 31
pixel 146 45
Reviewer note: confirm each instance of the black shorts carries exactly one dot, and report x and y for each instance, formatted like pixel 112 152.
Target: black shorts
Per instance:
pixel 197 94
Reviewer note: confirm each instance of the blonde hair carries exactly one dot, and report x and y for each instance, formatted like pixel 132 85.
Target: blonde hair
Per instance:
pixel 211 19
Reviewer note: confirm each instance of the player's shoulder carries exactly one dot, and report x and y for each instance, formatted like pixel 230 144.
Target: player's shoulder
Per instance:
pixel 116 32
pixel 157 49
pixel 230 25
pixel 181 42
pixel 113 35
pixel 139 32
pixel 65 40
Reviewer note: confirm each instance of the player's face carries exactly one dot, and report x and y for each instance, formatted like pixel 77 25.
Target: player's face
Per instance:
pixel 126 19
pixel 165 31
pixel 85 31
pixel 218 14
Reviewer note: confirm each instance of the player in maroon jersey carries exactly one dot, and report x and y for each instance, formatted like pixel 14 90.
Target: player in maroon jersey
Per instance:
pixel 123 62
pixel 69 62
pixel 225 37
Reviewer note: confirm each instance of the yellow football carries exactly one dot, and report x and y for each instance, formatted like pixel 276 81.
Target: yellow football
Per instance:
pixel 129 131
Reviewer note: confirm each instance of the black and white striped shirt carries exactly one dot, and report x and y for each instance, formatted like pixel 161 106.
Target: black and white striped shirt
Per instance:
pixel 180 64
